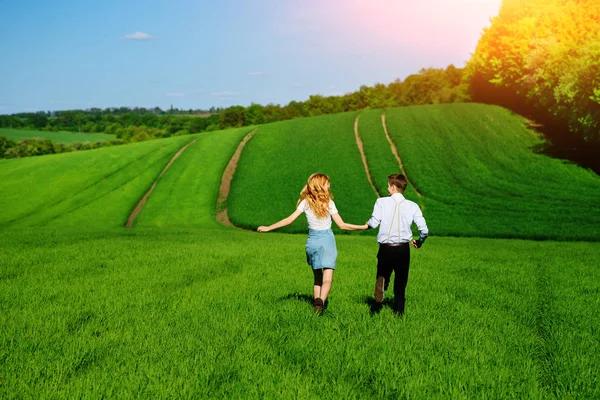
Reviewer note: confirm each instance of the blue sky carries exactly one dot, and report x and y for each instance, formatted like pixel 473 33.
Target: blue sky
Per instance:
pixel 61 55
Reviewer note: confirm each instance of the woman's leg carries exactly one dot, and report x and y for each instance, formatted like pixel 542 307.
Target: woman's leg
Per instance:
pixel 318 275
pixel 326 287
pixel 317 291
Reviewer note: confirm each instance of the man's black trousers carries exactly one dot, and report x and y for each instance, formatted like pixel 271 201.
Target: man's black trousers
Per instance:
pixel 395 259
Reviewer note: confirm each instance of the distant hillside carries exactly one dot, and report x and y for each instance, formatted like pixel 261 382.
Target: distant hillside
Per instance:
pixel 474 166
pixel 60 137
pixel 473 169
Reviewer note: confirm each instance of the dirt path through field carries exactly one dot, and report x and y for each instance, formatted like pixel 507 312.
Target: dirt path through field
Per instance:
pixel 361 149
pixel 142 202
pixel 395 152
pixel 222 215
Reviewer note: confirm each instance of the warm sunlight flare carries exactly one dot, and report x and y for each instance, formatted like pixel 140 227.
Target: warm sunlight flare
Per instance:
pixel 444 26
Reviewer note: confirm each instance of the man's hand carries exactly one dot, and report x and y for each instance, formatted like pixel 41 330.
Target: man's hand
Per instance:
pixel 416 244
pixel 263 229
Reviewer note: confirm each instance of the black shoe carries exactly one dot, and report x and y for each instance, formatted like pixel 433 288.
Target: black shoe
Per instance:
pixel 379 289
pixel 318 304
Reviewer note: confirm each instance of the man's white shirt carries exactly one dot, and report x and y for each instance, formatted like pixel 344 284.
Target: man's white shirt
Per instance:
pixel 396 214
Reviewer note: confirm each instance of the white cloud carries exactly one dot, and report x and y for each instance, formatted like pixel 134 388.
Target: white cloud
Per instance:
pixel 139 36
pixel 256 73
pixel 226 94
pixel 171 94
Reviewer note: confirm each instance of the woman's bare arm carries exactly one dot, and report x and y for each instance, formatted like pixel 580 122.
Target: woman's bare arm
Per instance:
pixel 345 226
pixel 282 223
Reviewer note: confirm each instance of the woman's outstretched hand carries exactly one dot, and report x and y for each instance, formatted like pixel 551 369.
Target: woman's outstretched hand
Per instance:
pixel 263 229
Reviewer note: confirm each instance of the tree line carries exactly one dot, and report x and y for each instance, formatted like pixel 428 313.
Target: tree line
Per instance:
pixel 541 58
pixel 429 86
pixel 38 146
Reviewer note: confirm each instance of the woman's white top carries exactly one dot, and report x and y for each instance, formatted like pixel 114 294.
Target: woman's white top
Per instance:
pixel 314 222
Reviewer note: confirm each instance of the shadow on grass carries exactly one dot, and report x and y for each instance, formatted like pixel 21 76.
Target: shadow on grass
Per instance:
pixel 303 298
pixel 300 297
pixel 560 142
pixel 374 307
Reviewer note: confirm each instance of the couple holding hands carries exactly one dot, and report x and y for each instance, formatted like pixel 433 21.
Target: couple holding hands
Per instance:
pixel 394 216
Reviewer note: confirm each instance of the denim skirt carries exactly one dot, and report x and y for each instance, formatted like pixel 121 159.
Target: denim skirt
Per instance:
pixel 321 250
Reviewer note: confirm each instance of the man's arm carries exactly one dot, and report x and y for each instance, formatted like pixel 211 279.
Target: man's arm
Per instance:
pixel 419 220
pixel 377 215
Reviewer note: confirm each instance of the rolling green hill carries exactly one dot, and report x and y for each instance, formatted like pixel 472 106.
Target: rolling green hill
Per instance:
pixel 380 159
pixel 473 165
pixel 277 162
pixel 478 173
pixel 187 193
pixel 96 188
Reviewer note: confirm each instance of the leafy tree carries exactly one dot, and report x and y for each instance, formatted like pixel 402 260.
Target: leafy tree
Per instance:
pixel 197 124
pixel 294 109
pixel 542 58
pixel 5 144
pixel 272 113
pixel 254 115
pixel 232 117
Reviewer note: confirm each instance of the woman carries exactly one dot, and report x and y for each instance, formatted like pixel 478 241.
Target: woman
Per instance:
pixel 316 201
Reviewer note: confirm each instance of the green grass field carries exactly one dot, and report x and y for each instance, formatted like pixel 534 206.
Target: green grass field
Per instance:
pixel 187 194
pixel 277 162
pixel 179 306
pixel 479 176
pixel 96 188
pixel 61 137
pixel 227 314
pixel 380 159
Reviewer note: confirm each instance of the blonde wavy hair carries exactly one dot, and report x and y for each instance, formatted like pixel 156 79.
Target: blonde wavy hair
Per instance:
pixel 315 194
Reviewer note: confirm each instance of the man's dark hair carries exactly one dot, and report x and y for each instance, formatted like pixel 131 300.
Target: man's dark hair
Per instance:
pixel 399 181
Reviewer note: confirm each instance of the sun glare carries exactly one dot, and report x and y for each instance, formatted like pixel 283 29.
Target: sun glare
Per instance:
pixel 446 26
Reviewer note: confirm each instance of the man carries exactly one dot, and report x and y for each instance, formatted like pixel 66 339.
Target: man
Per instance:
pixel 394 215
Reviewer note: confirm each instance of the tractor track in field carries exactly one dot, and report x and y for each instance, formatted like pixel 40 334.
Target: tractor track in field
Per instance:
pixel 395 152
pixel 140 205
pixel 222 215
pixel 361 149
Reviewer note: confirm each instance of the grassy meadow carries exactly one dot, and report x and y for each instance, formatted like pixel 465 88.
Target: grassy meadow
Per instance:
pixel 475 166
pixel 380 159
pixel 227 314
pixel 60 137
pixel 278 160
pixel 181 307
pixel 187 194
pixel 95 188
